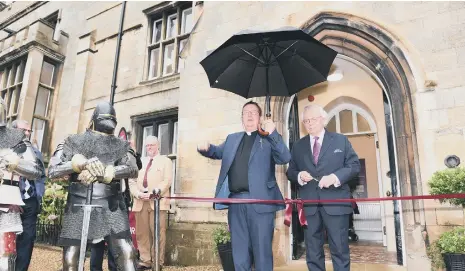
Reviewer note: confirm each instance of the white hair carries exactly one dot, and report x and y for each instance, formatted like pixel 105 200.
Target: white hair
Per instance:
pixel 15 124
pixel 323 113
pixel 151 140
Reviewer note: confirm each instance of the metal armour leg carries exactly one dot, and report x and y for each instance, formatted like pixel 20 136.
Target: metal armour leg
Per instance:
pixel 124 254
pixel 7 262
pixel 70 258
pixel 7 251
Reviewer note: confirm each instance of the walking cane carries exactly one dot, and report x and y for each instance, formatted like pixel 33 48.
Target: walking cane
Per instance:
pixel 156 236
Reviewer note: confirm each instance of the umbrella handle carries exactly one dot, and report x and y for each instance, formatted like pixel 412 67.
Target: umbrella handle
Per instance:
pixel 260 130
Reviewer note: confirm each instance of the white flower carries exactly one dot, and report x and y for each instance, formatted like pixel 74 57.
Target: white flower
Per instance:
pixel 52 217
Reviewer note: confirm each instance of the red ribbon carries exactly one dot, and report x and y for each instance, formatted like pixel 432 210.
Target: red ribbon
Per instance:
pixel 300 203
pixel 300 209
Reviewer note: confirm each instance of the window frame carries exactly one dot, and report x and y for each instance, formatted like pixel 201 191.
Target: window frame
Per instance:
pixel 334 113
pixel 169 116
pixel 46 119
pixel 163 14
pixel 11 85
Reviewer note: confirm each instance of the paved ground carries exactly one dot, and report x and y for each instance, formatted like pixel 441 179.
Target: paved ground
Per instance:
pixel 49 259
pixel 301 265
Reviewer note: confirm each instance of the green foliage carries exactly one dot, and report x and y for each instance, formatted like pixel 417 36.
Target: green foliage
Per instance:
pixel 453 241
pixel 449 242
pixel 435 255
pixel 53 202
pixel 449 181
pixel 221 235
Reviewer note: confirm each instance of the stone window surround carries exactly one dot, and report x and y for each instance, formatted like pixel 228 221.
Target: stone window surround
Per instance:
pixel 35 53
pixel 161 13
pixel 155 119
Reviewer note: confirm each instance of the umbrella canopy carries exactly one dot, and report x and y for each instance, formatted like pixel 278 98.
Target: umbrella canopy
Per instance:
pixel 280 62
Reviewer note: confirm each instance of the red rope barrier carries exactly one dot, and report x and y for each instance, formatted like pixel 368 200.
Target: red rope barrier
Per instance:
pixel 300 202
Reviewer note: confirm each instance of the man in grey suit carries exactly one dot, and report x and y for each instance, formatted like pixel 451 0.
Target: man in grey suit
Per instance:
pixel 248 171
pixel 323 163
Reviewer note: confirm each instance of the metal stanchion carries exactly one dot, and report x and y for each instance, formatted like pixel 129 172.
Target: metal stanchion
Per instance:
pixel 156 236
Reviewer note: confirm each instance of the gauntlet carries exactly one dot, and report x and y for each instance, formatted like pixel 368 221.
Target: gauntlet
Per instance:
pixel 86 177
pixel 9 159
pixel 78 163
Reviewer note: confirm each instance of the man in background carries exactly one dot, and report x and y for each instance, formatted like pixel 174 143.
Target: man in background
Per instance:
pixel 156 173
pixel 31 193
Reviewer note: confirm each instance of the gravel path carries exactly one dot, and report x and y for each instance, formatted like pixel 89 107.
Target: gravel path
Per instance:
pixel 45 258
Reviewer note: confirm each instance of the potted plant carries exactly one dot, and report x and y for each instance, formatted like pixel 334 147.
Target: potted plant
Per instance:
pixel 449 250
pixel 222 240
pixel 450 247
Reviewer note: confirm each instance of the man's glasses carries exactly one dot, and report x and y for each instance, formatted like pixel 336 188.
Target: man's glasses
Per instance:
pixel 247 113
pixel 312 120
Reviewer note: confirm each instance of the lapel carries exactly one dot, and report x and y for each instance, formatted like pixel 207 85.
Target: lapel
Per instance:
pixel 327 140
pixel 255 146
pixel 308 155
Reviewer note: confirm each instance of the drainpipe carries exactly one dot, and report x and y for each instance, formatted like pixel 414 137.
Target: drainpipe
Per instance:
pixel 118 47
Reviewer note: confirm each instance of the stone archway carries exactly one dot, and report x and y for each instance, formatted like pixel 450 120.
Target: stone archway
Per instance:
pixel 379 51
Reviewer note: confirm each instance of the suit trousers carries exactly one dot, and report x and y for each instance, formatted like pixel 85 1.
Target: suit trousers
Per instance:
pixel 145 231
pixel 96 257
pixel 251 236
pixel 337 227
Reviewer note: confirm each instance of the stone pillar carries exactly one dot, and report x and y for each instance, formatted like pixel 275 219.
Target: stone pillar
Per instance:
pixel 30 85
pixel 67 119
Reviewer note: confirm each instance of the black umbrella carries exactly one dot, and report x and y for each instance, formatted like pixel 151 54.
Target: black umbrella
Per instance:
pixel 280 62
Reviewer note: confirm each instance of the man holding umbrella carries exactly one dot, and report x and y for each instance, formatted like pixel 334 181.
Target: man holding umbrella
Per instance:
pixel 248 171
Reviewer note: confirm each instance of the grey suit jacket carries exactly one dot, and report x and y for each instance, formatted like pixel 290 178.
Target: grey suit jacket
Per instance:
pixel 336 156
pixel 266 153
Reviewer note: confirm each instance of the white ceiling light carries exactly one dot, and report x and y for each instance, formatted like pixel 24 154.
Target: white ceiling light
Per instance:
pixel 335 76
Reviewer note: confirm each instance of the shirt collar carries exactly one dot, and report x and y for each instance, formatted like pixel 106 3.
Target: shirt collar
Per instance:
pixel 250 133
pixel 320 136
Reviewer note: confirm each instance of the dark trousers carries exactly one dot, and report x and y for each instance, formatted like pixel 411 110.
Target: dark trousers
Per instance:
pixel 96 257
pixel 25 241
pixel 251 236
pixel 337 227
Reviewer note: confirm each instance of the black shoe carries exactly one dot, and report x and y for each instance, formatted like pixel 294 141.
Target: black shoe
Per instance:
pixel 141 267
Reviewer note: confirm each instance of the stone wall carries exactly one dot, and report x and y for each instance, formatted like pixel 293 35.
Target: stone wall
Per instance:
pixel 431 33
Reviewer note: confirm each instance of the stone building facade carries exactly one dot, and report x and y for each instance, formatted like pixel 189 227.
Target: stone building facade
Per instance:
pixel 401 99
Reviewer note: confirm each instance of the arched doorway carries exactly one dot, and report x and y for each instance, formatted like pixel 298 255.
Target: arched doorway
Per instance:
pixel 379 52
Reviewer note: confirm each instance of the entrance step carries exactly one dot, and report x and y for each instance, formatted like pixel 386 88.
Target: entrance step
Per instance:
pixel 301 265
pixel 363 256
pixel 364 252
